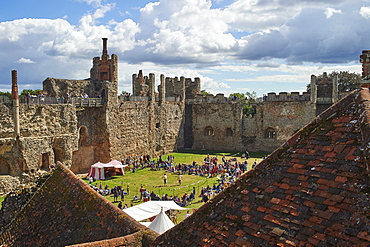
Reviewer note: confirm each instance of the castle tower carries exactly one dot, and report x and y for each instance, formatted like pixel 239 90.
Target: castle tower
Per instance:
pixel 104 68
pixel 324 91
pixel 104 75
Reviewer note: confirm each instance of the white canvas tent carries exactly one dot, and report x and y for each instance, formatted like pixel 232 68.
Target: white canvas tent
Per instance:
pixel 149 209
pixel 97 170
pixel 161 223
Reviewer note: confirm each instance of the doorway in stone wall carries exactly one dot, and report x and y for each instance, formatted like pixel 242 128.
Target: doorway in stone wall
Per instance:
pixel 58 155
pixel 4 167
pixel 45 161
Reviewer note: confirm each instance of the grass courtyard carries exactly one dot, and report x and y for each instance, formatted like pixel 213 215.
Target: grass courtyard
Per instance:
pixel 152 180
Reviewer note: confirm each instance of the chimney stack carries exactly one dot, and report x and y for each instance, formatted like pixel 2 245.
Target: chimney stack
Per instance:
pixel 105 51
pixel 15 100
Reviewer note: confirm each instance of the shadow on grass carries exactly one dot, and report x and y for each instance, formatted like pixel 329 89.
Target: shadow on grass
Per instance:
pixel 220 153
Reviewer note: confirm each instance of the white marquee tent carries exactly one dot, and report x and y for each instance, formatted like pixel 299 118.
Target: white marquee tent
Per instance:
pixel 149 209
pixel 161 223
pixel 98 169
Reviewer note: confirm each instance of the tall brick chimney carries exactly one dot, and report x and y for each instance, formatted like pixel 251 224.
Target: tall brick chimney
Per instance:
pixel 15 100
pixel 105 50
pixel 365 60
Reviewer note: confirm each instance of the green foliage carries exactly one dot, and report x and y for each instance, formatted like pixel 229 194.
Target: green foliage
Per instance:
pixel 30 91
pixel 248 110
pixel 123 93
pixel 239 95
pixel 204 92
pixel 246 98
pixel 5 93
pixel 346 81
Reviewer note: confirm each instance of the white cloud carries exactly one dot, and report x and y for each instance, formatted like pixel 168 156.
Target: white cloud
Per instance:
pixel 329 12
pixel 25 60
pixel 94 3
pixel 365 12
pixel 192 38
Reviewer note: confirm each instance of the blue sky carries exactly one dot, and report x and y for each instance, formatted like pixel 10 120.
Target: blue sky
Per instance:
pixel 231 45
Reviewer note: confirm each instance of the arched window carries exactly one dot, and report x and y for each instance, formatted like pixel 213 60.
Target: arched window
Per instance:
pixel 209 131
pixel 229 132
pixel 270 133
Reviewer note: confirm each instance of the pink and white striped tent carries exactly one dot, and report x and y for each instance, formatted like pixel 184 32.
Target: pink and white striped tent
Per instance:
pixel 97 170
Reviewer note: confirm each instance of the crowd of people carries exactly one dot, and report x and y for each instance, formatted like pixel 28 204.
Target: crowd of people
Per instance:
pixel 226 170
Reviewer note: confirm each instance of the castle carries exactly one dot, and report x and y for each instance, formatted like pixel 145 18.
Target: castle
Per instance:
pixel 81 131
pixel 314 190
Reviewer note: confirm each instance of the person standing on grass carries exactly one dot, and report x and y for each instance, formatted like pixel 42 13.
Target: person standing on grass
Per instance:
pixel 179 178
pixel 164 179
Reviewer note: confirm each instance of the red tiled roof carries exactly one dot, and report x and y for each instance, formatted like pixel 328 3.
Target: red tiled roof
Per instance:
pixel 312 191
pixel 66 211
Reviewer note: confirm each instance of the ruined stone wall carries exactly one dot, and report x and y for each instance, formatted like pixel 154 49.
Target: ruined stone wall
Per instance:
pixel 93 139
pixel 140 128
pixel 282 117
pixel 62 87
pixel 217 126
pixel 6 121
pixel 192 88
pixel 48 134
pixel 169 127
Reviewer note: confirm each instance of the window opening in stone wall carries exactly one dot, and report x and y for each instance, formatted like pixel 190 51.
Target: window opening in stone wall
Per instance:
pixel 270 133
pixel 158 125
pixel 209 131
pixel 104 75
pixel 229 132
pixel 45 161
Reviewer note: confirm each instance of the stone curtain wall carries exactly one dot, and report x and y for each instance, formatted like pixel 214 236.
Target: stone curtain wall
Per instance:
pixel 217 117
pixel 48 134
pixel 169 127
pixel 282 116
pixel 139 128
pixel 6 122
pixel 60 87
pixel 47 120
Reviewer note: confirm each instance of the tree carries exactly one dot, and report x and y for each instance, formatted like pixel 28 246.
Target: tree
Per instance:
pixel 204 92
pixel 346 81
pixel 246 99
pixel 123 93
pixel 30 91
pixel 5 93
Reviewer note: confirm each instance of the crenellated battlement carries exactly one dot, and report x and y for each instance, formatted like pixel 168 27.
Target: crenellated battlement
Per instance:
pixel 169 87
pixel 210 98
pixel 284 96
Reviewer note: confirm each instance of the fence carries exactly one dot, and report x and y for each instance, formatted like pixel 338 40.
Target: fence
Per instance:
pixel 33 100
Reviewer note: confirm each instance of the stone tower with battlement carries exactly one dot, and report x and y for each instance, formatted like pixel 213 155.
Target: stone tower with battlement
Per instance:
pixel 324 91
pixel 143 85
pixel 104 75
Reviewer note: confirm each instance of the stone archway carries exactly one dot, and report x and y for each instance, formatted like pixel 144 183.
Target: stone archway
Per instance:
pixel 83 158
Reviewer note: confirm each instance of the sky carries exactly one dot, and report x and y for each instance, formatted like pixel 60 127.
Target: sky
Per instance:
pixel 233 46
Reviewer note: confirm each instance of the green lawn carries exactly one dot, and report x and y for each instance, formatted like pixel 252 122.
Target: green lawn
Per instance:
pixel 152 180
pixel 2 198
